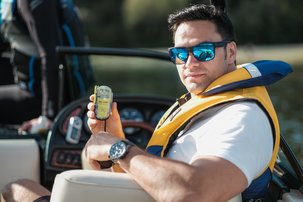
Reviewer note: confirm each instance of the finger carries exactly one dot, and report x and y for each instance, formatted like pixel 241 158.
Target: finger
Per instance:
pixel 95 125
pixel 91 122
pixel 91 114
pixel 115 108
pixel 92 97
pixel 91 106
pixel 94 164
pixel 115 113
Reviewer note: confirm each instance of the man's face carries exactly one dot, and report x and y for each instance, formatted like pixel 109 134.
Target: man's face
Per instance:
pixel 195 75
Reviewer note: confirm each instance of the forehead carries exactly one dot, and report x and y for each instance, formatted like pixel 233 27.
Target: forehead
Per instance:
pixel 194 32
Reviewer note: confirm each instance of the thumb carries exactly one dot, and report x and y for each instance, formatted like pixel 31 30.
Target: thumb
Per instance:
pixel 115 113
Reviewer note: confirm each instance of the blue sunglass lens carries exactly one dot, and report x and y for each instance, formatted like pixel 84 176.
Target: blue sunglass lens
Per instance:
pixel 182 55
pixel 204 53
pixel 179 55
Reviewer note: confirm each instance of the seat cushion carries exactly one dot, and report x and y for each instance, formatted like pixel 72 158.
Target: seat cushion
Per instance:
pixel 19 158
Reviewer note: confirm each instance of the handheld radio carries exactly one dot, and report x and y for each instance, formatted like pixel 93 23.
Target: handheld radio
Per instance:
pixel 103 102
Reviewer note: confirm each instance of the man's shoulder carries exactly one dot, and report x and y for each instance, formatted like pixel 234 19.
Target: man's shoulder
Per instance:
pixel 230 115
pixel 242 103
pixel 245 108
pixel 241 106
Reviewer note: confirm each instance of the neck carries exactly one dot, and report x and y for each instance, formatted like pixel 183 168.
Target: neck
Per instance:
pixel 231 67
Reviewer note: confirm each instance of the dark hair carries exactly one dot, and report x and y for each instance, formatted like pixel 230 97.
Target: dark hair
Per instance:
pixel 203 12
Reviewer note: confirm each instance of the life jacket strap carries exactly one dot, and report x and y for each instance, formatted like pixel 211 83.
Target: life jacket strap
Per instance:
pixel 258 189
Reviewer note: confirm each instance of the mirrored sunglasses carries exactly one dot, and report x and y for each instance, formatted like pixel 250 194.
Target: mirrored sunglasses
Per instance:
pixel 203 52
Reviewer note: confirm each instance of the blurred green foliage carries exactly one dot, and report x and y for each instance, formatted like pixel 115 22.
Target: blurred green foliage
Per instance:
pixel 267 22
pixel 143 23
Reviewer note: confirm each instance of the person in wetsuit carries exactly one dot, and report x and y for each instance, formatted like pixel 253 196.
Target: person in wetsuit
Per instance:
pixel 34 29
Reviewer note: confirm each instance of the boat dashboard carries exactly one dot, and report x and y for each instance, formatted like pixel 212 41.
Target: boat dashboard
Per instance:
pixel 139 115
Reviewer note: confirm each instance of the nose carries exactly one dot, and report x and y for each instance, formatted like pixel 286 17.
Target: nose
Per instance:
pixel 191 61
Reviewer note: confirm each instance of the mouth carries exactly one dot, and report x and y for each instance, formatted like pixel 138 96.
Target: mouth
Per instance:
pixel 193 76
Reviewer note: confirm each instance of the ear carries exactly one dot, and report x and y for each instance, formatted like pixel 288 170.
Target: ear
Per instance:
pixel 231 50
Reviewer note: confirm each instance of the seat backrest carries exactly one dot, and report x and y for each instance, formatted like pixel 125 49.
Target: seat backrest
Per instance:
pixel 96 186
pixel 19 158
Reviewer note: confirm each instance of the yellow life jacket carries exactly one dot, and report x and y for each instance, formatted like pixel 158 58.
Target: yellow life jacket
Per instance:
pixel 245 83
pixel 177 116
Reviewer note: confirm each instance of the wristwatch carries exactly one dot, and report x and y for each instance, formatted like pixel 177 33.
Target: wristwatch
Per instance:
pixel 119 150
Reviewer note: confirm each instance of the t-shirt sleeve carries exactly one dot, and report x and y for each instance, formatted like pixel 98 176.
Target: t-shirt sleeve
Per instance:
pixel 240 133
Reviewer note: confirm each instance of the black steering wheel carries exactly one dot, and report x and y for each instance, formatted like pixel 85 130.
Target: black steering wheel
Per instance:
pixel 61 155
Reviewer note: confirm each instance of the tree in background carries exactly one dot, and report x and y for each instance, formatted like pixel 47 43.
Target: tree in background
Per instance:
pixel 103 21
pixel 267 22
pixel 143 23
pixel 146 21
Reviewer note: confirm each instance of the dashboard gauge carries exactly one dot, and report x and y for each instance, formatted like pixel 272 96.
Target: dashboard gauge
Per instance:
pixel 155 118
pixel 132 114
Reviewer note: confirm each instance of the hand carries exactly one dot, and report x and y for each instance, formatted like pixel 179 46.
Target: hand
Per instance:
pixel 37 125
pixel 97 148
pixel 113 123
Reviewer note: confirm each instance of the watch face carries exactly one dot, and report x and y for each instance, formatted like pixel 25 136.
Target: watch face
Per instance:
pixel 117 150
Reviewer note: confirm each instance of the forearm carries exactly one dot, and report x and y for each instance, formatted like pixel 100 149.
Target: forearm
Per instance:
pixel 163 179
pixel 207 178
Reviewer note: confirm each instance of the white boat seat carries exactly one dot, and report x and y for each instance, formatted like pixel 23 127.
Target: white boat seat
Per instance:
pixel 19 158
pixel 98 186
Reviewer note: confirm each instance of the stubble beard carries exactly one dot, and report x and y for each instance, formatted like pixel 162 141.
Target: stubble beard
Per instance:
pixel 195 88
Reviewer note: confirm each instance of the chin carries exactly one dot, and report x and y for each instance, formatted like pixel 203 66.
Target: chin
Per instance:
pixel 193 88
pixel 195 91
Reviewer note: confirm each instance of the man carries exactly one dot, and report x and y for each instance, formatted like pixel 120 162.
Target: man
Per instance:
pixel 34 29
pixel 215 144
pixel 217 153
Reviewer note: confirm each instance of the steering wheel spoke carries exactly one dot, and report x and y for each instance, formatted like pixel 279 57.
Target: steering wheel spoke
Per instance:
pixel 139 137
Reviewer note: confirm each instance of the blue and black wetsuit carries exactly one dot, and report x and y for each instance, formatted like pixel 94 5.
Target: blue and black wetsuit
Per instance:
pixel 34 29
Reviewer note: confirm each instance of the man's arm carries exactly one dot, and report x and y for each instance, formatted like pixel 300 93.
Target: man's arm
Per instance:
pixel 206 179
pixel 23 190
